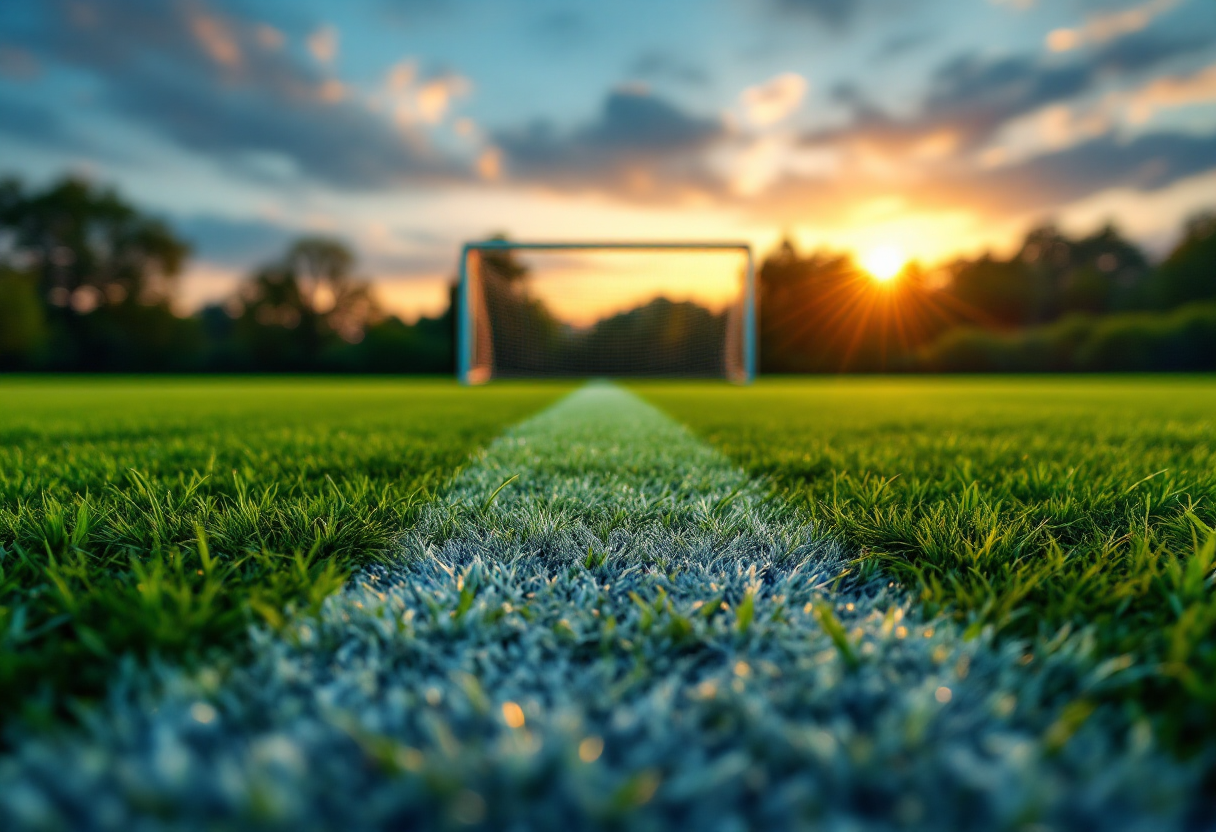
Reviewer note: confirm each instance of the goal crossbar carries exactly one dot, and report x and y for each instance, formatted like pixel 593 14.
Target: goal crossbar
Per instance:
pixel 465 329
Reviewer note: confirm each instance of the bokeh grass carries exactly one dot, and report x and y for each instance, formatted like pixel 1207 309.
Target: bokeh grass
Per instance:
pixel 1034 505
pixel 143 517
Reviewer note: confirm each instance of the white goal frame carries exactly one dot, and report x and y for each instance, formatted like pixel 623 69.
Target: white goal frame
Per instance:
pixel 466 334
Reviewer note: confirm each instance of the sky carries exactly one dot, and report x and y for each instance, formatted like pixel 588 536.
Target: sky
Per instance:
pixel 935 128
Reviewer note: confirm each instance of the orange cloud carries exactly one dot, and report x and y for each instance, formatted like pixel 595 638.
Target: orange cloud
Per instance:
pixel 1062 126
pixel 332 91
pixel 323 44
pixel 489 164
pixel 434 96
pixel 1173 92
pixel 216 39
pixel 428 101
pixel 269 37
pixel 401 76
pixel 774 100
pixel 1104 27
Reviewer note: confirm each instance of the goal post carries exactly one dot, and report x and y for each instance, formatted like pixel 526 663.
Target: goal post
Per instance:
pixel 614 319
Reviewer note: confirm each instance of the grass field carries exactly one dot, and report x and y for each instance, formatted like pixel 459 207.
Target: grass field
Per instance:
pixel 1034 505
pixel 108 486
pixel 867 603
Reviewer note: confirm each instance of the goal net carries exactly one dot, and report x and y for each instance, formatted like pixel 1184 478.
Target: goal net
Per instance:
pixel 530 310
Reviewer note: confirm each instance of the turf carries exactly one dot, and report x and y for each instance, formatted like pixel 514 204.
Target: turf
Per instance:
pixel 1036 506
pixel 603 624
pixel 160 517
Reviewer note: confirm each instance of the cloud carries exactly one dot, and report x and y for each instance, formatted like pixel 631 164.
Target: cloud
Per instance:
pixel 979 94
pixel 1147 163
pixel 655 65
pixel 489 164
pixel 323 44
pixel 1033 186
pixel 401 76
pixel 32 123
pixel 562 26
pixel 750 168
pixel 1062 125
pixel 218 85
pixel 1172 91
pixel 435 94
pixel 831 12
pixel 216 39
pixel 269 37
pixel 971 98
pixel 639 144
pixel 902 44
pixel 1108 26
pixel 406 12
pixel 774 100
pixel 233 242
pixel 1057 123
pixel 422 100
pixel 17 64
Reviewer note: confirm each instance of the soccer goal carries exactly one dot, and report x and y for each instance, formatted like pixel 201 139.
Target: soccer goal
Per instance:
pixel 616 309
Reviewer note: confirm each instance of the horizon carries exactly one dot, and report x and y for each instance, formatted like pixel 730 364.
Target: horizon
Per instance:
pixel 408 128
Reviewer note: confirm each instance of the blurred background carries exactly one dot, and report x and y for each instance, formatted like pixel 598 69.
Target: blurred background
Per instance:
pixel 946 185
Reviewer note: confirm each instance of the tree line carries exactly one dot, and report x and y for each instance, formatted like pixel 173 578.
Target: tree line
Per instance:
pixel 1058 304
pixel 87 283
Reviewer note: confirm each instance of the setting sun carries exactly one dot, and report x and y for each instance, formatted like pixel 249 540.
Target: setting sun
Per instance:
pixel 884 263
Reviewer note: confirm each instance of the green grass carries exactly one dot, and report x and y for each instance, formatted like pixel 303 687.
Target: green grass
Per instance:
pixel 603 623
pixel 1034 506
pixel 160 517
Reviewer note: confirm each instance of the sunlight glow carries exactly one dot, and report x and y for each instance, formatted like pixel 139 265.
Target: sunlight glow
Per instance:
pixel 884 263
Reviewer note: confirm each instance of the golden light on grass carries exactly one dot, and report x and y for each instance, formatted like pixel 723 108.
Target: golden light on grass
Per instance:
pixel 884 263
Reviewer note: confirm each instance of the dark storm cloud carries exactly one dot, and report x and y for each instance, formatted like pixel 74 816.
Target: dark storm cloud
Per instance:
pixel 973 97
pixel 228 88
pixel 656 65
pixel 231 241
pixel 636 134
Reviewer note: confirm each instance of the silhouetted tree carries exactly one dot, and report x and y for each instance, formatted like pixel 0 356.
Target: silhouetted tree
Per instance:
pixel 821 313
pixel 293 307
pixel 1189 272
pixel 87 247
pixel 1001 293
pixel 103 272
pixel 23 329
